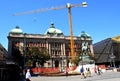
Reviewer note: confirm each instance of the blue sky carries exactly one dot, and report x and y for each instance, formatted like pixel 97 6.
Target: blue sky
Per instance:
pixel 101 19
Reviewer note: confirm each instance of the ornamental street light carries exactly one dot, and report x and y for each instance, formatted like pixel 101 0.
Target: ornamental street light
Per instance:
pixel 112 57
pixel 24 48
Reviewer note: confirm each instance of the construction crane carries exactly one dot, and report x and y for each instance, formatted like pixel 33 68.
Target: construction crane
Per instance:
pixel 68 6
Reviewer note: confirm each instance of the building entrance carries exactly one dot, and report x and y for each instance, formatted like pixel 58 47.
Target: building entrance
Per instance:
pixel 56 63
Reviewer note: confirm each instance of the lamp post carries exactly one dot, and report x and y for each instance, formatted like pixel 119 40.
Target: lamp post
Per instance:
pixel 112 57
pixel 24 48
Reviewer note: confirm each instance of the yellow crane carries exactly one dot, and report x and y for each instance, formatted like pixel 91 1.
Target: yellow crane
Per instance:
pixel 68 6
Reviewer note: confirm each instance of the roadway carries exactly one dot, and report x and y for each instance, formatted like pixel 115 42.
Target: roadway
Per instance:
pixel 106 76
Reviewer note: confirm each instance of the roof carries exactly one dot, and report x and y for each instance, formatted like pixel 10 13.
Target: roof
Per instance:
pixel 16 30
pixel 116 39
pixel 85 35
pixel 103 50
pixel 53 31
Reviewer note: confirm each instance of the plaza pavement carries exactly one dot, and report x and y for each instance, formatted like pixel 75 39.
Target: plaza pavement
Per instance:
pixel 106 76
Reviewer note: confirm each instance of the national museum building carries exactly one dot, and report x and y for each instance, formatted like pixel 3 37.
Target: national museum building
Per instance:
pixel 56 43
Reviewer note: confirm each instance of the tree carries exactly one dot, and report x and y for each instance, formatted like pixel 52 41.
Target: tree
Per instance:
pixel 37 55
pixel 77 58
pixel 44 56
pixel 17 56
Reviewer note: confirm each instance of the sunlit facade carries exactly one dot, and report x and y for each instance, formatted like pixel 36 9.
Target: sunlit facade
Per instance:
pixel 56 43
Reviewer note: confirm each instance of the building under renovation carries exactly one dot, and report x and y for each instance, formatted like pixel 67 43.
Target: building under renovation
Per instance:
pixel 57 44
pixel 108 51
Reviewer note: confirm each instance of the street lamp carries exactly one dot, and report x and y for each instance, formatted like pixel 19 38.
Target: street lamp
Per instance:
pixel 112 57
pixel 24 48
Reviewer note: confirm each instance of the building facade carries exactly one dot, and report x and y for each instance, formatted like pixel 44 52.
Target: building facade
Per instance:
pixel 107 51
pixel 3 53
pixel 57 45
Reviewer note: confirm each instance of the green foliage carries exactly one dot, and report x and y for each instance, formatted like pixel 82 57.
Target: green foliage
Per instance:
pixel 17 56
pixel 39 55
pixel 77 59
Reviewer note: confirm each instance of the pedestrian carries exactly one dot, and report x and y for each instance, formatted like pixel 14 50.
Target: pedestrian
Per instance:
pixel 95 69
pixel 99 71
pixel 82 73
pixel 89 72
pixel 66 71
pixel 28 75
pixel 86 72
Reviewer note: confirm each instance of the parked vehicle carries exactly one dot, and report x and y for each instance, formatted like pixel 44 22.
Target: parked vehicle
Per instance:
pixel 10 71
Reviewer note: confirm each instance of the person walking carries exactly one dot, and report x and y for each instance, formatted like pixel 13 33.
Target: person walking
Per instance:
pixel 28 75
pixel 86 72
pixel 89 72
pixel 95 69
pixel 99 71
pixel 82 73
pixel 66 71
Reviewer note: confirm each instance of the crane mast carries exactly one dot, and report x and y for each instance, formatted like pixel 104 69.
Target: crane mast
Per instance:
pixel 69 6
pixel 71 32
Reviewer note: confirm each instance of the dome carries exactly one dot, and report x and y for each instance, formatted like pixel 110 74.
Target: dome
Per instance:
pixel 84 35
pixel 52 30
pixel 16 30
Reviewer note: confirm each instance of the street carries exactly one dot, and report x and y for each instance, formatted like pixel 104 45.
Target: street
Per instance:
pixel 106 76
